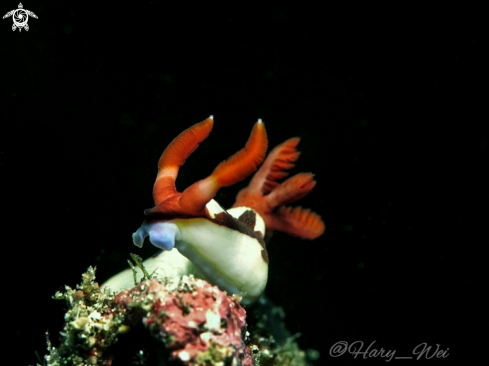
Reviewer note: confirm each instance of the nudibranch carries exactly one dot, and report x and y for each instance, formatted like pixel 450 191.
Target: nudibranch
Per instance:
pixel 226 247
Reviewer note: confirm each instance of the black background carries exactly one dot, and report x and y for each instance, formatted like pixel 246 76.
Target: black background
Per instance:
pixel 390 102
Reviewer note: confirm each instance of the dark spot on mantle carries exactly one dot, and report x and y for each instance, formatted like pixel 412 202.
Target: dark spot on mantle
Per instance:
pixel 244 224
pixel 248 218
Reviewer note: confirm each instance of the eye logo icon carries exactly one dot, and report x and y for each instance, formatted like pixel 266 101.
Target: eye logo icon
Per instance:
pixel 20 17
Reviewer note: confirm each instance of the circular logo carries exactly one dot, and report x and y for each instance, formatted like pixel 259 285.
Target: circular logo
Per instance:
pixel 20 17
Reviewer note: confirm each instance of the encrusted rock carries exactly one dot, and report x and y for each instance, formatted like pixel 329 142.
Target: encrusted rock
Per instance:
pixel 190 321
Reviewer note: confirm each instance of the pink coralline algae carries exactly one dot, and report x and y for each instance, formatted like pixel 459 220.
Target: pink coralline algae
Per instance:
pixel 199 323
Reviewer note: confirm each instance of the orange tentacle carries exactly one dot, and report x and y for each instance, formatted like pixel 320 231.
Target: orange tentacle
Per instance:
pixel 174 157
pixel 245 161
pixel 264 194
pixel 274 168
pixel 297 221
pixel 234 169
pixel 291 190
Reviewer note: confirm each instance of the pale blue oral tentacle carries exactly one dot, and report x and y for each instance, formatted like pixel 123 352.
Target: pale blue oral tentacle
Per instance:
pixel 161 234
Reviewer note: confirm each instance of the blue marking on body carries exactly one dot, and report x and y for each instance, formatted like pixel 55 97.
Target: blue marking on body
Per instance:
pixel 161 234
